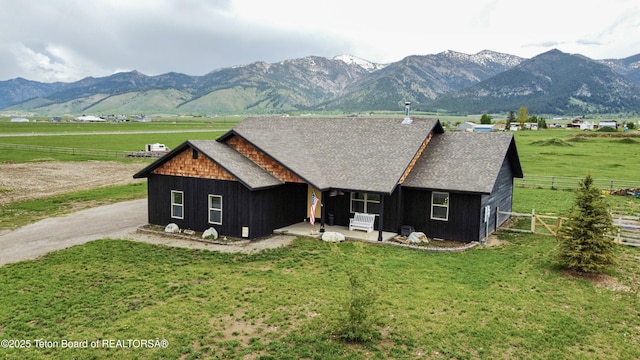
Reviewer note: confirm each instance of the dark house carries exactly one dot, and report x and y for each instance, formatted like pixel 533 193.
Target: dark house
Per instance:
pixel 260 175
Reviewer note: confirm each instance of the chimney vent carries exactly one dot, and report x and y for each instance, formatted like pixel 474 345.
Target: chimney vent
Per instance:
pixel 407 120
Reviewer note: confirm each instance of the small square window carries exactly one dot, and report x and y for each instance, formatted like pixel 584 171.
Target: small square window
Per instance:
pixel 439 206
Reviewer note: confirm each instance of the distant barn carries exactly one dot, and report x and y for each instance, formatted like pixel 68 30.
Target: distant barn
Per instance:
pixel 608 124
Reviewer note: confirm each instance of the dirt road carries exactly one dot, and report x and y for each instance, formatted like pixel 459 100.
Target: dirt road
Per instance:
pixel 119 221
pixel 34 240
pixel 116 221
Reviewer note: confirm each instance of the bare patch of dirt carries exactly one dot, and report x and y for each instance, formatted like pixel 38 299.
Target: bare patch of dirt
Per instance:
pixel 600 280
pixel 32 180
pixel 493 240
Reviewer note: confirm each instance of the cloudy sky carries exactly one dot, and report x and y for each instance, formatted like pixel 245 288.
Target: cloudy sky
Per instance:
pixel 66 40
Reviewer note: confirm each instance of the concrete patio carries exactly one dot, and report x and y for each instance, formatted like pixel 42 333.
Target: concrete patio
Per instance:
pixel 304 229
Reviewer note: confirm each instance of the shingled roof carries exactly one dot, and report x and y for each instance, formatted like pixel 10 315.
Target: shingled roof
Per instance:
pixel 248 173
pixel 361 154
pixel 465 162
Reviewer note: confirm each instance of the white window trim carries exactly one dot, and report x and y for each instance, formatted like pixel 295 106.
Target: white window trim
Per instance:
pixel 365 201
pixel 176 204
pixel 216 209
pixel 446 218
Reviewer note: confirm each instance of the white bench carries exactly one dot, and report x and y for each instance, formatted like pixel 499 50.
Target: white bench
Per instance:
pixel 361 221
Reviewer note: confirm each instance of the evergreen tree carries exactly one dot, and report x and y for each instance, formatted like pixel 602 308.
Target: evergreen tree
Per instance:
pixel 511 118
pixel 584 244
pixel 485 119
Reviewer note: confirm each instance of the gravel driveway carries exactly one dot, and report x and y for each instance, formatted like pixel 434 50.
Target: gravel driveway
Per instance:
pixel 118 221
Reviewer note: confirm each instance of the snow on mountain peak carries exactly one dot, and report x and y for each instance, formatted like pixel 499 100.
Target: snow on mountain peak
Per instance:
pixel 484 57
pixel 365 64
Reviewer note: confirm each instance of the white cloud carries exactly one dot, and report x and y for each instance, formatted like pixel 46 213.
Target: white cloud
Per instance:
pixel 55 63
pixel 70 39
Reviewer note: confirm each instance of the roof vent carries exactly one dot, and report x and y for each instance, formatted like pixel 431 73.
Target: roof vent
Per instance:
pixel 407 120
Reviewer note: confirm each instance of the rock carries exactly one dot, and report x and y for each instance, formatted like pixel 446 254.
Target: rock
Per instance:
pixel 331 236
pixel 188 232
pixel 417 237
pixel 210 232
pixel 172 228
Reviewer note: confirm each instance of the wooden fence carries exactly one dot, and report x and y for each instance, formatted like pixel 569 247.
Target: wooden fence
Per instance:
pixel 65 150
pixel 570 183
pixel 538 224
pixel 627 227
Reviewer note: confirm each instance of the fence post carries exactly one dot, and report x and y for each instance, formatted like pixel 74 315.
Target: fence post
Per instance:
pixel 611 186
pixel 533 221
pixel 553 182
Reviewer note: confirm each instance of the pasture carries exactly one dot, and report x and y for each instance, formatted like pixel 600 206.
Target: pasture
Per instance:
pixel 509 301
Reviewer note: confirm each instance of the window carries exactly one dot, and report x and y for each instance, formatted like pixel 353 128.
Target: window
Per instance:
pixel 177 204
pixel 215 209
pixel 439 205
pixel 365 203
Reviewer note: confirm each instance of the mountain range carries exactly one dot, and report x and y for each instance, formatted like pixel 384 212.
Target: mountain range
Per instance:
pixel 553 82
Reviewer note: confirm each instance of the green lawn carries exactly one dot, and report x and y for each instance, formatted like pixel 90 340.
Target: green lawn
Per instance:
pixel 510 301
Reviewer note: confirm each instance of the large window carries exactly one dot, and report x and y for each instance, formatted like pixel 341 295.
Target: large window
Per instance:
pixel 177 204
pixel 440 205
pixel 365 203
pixel 215 209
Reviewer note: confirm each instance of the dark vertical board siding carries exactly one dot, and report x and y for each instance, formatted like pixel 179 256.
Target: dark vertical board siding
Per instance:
pixel 463 222
pixel 261 211
pixel 501 197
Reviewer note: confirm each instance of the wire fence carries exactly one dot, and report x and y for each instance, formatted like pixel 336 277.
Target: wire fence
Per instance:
pixel 65 150
pixel 571 183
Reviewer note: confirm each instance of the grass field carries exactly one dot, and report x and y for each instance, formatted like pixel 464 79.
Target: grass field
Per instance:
pixel 552 152
pixel 511 301
pixel 128 136
pixel 562 152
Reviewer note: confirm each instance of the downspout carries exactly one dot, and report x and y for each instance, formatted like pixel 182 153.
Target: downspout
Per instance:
pixel 322 211
pixel 380 218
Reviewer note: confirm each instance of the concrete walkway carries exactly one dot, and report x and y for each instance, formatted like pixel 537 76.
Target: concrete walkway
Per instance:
pixel 304 229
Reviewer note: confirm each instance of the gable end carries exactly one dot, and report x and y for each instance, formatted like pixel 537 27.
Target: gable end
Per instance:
pixel 415 158
pixel 186 164
pixel 263 160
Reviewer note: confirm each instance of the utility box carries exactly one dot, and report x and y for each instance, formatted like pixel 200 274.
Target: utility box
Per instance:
pixel 406 230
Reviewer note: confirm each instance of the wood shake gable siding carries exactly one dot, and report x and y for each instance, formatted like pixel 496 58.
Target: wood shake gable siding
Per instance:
pixel 415 158
pixel 183 164
pixel 263 160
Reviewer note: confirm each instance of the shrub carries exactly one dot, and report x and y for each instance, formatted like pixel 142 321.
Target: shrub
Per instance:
pixel 358 322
